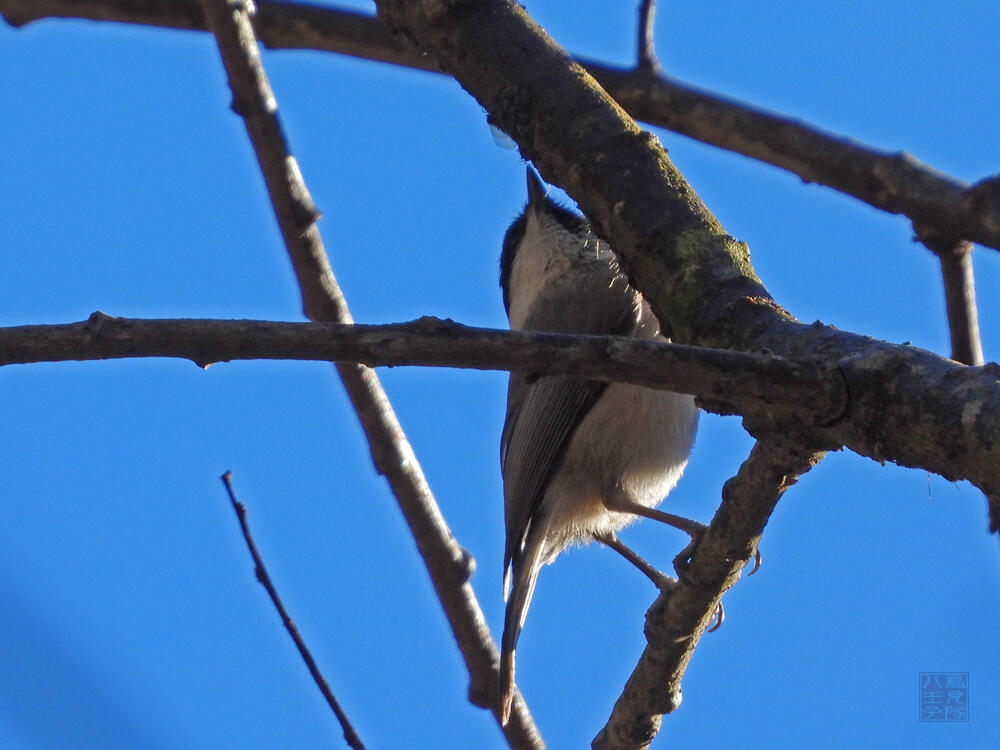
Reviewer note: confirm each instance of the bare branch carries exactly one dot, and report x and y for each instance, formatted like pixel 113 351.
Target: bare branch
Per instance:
pixel 959 295
pixel 646 59
pixel 679 616
pixel 260 571
pixel 731 382
pixel 893 182
pixel 449 566
pixel 960 299
pixel 279 25
pixel 889 402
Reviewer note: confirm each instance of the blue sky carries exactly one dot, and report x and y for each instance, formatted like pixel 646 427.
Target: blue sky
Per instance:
pixel 130 615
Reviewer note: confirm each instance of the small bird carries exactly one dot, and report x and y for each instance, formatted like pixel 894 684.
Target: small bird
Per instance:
pixel 580 458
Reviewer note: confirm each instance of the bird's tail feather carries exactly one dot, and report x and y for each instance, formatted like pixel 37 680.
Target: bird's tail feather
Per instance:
pixel 525 573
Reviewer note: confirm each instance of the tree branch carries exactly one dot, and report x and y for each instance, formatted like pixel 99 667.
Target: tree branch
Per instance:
pixel 260 571
pixel 677 253
pixel 905 400
pixel 959 295
pixel 448 565
pixel 730 382
pixel 679 616
pixel 893 182
pixel 960 300
pixel 646 59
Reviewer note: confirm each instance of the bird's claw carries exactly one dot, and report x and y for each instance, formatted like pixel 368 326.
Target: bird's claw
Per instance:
pixel 756 562
pixel 720 617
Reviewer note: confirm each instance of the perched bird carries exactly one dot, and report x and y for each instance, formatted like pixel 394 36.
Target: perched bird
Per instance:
pixel 580 458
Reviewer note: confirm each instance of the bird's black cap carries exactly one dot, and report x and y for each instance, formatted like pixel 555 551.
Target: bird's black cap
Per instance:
pixel 539 202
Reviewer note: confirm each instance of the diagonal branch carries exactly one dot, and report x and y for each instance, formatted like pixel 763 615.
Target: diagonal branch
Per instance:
pixel 449 566
pixel 260 570
pixel 893 182
pixel 677 619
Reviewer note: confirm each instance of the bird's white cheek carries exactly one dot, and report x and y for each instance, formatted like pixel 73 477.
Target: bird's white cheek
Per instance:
pixel 535 267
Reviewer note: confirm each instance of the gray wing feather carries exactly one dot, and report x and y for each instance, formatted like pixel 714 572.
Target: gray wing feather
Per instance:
pixel 542 413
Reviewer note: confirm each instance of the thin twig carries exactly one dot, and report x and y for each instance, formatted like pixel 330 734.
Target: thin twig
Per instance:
pixel 960 299
pixel 679 616
pixel 893 182
pixel 959 295
pixel 260 570
pixel 646 58
pixel 448 565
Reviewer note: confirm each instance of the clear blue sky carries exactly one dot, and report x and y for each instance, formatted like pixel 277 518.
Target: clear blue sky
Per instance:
pixel 130 615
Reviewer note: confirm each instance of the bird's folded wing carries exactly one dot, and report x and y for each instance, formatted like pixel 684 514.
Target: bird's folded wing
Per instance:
pixel 543 412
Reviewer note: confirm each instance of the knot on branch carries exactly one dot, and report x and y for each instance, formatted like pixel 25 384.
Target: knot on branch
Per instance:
pixel 660 628
pixel 100 324
pixel 483 690
pixel 466 563
pixel 434 325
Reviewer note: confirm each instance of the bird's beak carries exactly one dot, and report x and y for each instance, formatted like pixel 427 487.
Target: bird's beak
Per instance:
pixel 536 189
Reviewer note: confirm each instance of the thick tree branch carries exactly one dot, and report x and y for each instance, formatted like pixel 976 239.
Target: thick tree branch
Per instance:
pixel 260 571
pixel 677 253
pixel 677 619
pixel 893 182
pixel 449 566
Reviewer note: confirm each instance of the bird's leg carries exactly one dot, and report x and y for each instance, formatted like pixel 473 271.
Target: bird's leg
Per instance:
pixel 661 580
pixel 618 502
